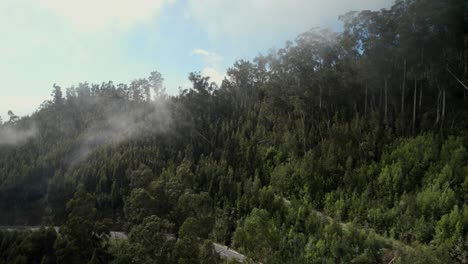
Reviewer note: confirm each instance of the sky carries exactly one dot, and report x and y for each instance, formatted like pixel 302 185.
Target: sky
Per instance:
pixel 66 42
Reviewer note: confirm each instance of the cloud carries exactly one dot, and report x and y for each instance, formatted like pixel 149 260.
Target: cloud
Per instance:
pixel 212 62
pixel 65 42
pixel 247 20
pixel 215 75
pixel 119 124
pixel 96 15
pixel 69 41
pixel 245 26
pixel 209 58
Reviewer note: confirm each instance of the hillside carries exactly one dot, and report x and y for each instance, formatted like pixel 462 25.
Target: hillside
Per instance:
pixel 340 147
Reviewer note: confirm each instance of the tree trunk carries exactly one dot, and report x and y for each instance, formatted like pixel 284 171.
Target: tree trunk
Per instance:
pixel 403 88
pixel 365 103
pixel 466 70
pixel 303 132
pixel 438 107
pixel 420 98
pixel 466 65
pixel 414 105
pixel 320 96
pixel 443 106
pixel 380 99
pixel 386 101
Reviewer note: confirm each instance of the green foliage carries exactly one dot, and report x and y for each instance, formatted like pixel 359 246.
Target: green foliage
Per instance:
pixel 258 235
pixel 139 205
pixel 187 250
pixel 208 254
pixel 345 147
pixel 147 243
pixel 28 247
pixel 82 238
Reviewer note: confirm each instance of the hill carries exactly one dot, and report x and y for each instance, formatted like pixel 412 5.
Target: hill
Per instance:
pixel 363 132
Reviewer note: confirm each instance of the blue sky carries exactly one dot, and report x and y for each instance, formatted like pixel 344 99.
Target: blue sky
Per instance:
pixel 43 42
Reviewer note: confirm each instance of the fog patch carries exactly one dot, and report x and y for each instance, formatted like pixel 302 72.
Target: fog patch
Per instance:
pixel 121 122
pixel 11 135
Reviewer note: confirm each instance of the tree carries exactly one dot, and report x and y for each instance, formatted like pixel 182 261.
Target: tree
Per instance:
pixel 81 235
pixel 12 116
pixel 140 89
pixel 94 259
pixel 150 242
pixel 139 205
pixel 140 178
pixel 190 228
pixel 290 151
pixel 197 206
pixel 57 94
pixel 208 254
pixel 187 251
pixel 156 83
pixel 258 236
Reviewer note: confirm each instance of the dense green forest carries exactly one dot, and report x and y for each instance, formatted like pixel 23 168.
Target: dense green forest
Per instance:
pixel 346 147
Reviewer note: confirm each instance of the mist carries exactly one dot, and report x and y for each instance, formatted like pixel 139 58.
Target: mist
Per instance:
pixel 120 123
pixel 10 135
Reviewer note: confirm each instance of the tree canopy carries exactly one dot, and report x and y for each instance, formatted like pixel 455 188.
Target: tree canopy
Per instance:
pixel 339 147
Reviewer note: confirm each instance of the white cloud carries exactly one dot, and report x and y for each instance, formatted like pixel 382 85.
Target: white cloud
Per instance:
pixel 210 58
pixel 247 20
pixel 212 63
pixel 95 15
pixel 215 75
pixel 204 53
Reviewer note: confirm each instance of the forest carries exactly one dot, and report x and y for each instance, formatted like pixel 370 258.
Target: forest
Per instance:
pixel 340 147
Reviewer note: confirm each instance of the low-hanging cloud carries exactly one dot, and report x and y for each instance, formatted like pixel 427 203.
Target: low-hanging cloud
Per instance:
pixel 11 135
pixel 119 125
